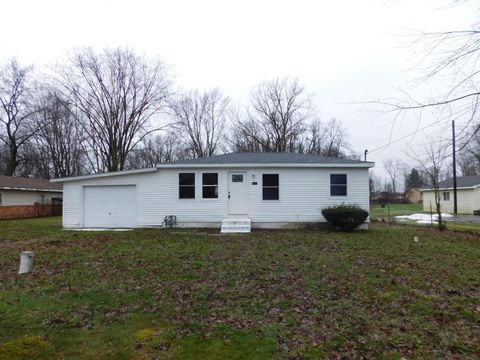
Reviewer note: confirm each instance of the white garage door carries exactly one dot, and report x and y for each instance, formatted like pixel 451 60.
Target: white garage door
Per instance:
pixel 110 206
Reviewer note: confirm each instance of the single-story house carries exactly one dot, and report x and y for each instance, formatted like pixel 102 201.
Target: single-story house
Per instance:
pixel 413 196
pixel 15 190
pixel 468 195
pixel 24 197
pixel 235 190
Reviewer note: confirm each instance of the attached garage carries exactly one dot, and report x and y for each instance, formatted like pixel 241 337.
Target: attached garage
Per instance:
pixel 110 206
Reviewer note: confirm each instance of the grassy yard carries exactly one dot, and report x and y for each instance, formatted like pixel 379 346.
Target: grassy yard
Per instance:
pixel 379 213
pixel 193 294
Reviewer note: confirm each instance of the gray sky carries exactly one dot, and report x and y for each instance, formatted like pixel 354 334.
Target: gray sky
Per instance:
pixel 344 52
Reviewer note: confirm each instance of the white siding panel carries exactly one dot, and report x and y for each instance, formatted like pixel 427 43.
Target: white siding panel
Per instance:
pixel 467 201
pixel 25 197
pixel 303 193
pixel 72 205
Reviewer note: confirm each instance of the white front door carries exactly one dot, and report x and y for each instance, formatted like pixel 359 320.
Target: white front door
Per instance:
pixel 237 193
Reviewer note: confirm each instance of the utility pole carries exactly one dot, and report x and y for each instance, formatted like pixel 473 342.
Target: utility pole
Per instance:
pixel 454 170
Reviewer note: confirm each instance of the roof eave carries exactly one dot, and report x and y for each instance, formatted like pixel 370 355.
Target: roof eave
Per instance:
pixel 29 189
pixel 451 188
pixel 102 175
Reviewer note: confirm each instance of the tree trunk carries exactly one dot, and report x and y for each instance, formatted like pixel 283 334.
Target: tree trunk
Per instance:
pixel 12 162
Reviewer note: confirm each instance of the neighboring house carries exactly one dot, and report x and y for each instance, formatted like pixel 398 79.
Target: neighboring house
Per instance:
pixel 413 196
pixel 468 195
pixel 268 189
pixel 386 197
pixel 22 197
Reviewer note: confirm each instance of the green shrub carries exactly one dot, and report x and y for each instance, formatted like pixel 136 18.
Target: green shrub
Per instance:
pixel 345 217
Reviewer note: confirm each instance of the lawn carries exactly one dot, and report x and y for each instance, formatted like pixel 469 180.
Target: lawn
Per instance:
pixel 379 213
pixel 194 294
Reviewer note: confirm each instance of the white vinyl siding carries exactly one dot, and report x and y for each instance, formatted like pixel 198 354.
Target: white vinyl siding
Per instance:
pixel 303 193
pixel 25 197
pixel 468 200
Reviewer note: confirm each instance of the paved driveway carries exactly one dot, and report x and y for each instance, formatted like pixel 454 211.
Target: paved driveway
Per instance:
pixel 464 219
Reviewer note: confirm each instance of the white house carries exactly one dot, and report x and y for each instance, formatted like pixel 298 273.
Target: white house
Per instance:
pixel 23 191
pixel 266 189
pixel 468 195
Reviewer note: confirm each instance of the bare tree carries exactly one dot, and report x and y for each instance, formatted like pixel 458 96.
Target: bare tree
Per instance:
pixel 156 149
pixel 119 94
pixel 201 120
pixel 15 112
pixel 374 183
pixel 324 139
pixel 60 136
pixel 432 165
pixel 452 55
pixel 278 114
pixel 394 169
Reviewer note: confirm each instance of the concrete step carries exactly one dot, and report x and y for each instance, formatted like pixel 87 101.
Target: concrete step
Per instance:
pixel 236 225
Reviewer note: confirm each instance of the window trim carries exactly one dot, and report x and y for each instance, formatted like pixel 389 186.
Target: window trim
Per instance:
pixel 271 187
pixel 180 186
pixel 448 195
pixel 346 185
pixel 214 186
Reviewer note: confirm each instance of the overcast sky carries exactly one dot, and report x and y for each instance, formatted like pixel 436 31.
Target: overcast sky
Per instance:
pixel 344 52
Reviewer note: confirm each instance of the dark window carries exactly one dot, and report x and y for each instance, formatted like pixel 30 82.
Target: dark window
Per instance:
pixel 210 185
pixel 270 186
pixel 186 185
pixel 446 196
pixel 237 178
pixel 338 184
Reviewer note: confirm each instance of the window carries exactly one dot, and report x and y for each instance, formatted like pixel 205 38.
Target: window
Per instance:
pixel 210 185
pixel 446 196
pixel 237 178
pixel 41 199
pixel 1 199
pixel 338 184
pixel 186 185
pixel 270 186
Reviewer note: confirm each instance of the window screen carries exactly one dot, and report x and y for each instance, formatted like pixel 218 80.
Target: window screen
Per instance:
pixel 338 184
pixel 210 185
pixel 270 186
pixel 446 196
pixel 186 185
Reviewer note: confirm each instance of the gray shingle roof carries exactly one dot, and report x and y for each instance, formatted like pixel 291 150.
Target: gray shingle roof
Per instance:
pixel 15 182
pixel 462 181
pixel 268 158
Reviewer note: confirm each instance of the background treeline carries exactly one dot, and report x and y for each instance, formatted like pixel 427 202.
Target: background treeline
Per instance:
pixel 114 110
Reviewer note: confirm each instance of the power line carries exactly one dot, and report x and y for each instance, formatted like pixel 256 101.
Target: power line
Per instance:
pixel 405 136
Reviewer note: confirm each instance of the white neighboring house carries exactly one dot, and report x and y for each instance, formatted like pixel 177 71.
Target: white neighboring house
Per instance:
pixel 21 191
pixel 269 189
pixel 468 195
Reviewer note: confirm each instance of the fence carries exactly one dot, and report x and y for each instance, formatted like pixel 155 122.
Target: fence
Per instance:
pixel 30 211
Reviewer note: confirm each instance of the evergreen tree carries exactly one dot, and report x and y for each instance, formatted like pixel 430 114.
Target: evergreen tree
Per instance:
pixel 413 180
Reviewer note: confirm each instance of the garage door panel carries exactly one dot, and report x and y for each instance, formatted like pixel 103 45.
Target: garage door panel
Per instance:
pixel 110 206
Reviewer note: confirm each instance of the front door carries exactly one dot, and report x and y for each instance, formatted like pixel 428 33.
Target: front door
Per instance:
pixel 237 193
